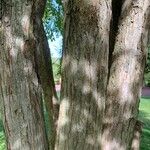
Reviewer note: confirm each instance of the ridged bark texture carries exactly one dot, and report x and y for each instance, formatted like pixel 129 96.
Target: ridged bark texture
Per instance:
pixel 126 76
pixel 84 77
pixel 135 145
pixel 21 93
pixel 44 68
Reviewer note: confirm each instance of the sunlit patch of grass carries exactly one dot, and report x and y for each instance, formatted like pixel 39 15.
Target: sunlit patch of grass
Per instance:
pixel 2 141
pixel 2 137
pixel 144 116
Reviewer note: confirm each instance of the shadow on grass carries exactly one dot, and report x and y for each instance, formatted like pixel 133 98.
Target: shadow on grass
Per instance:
pixel 145 137
pixel 146 97
pixel 1 125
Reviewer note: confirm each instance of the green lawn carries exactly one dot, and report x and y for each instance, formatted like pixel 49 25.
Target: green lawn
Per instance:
pixel 144 116
pixel 2 138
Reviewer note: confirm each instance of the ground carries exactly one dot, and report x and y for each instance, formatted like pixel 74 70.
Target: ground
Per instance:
pixel 144 116
pixel 146 91
pixel 2 138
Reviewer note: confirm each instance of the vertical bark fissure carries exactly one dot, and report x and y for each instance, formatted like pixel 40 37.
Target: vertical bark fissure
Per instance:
pixel 126 76
pixel 116 12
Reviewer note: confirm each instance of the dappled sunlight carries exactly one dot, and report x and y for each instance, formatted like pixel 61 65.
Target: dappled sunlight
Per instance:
pixel 86 88
pixel 126 81
pixel 13 53
pixel 86 114
pixel 17 144
pixel 74 65
pixel 112 145
pixel 25 23
pixel 136 141
pixel 28 68
pixel 137 23
pixel 21 91
pixel 90 140
pixel 84 75
pixel 64 119
pixel 62 137
pixel 77 127
pixel 87 96
pixel 108 120
pixel 88 105
pixel 128 114
pixel 66 61
pixel 35 82
pixel 126 76
pixel 88 68
pixel 19 44
pixel 107 143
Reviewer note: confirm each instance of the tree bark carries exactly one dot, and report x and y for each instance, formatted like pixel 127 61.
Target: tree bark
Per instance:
pixel 84 74
pixel 135 145
pixel 45 71
pixel 126 77
pixel 21 92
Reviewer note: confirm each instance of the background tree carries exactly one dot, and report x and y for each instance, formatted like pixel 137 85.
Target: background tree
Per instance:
pixel 53 19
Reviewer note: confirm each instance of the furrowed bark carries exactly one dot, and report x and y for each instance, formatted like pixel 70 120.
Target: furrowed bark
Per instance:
pixel 135 145
pixel 21 92
pixel 126 77
pixel 116 12
pixel 84 75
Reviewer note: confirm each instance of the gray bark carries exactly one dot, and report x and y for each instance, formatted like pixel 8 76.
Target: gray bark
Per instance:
pixel 84 74
pixel 21 93
pixel 126 77
pixel 135 145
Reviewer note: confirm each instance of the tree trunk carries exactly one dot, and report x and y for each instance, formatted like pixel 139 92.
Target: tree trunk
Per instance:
pixel 45 72
pixel 21 92
pixel 84 77
pixel 135 145
pixel 126 77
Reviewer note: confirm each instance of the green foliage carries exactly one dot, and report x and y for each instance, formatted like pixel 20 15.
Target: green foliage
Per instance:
pixel 56 68
pixel 147 69
pixel 53 24
pixel 53 19
pixel 144 116
pixel 147 78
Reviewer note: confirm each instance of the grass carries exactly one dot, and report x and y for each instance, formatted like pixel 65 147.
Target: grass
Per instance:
pixel 144 116
pixel 2 137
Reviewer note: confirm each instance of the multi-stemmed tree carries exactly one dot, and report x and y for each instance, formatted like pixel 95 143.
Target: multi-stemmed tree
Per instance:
pixel 104 56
